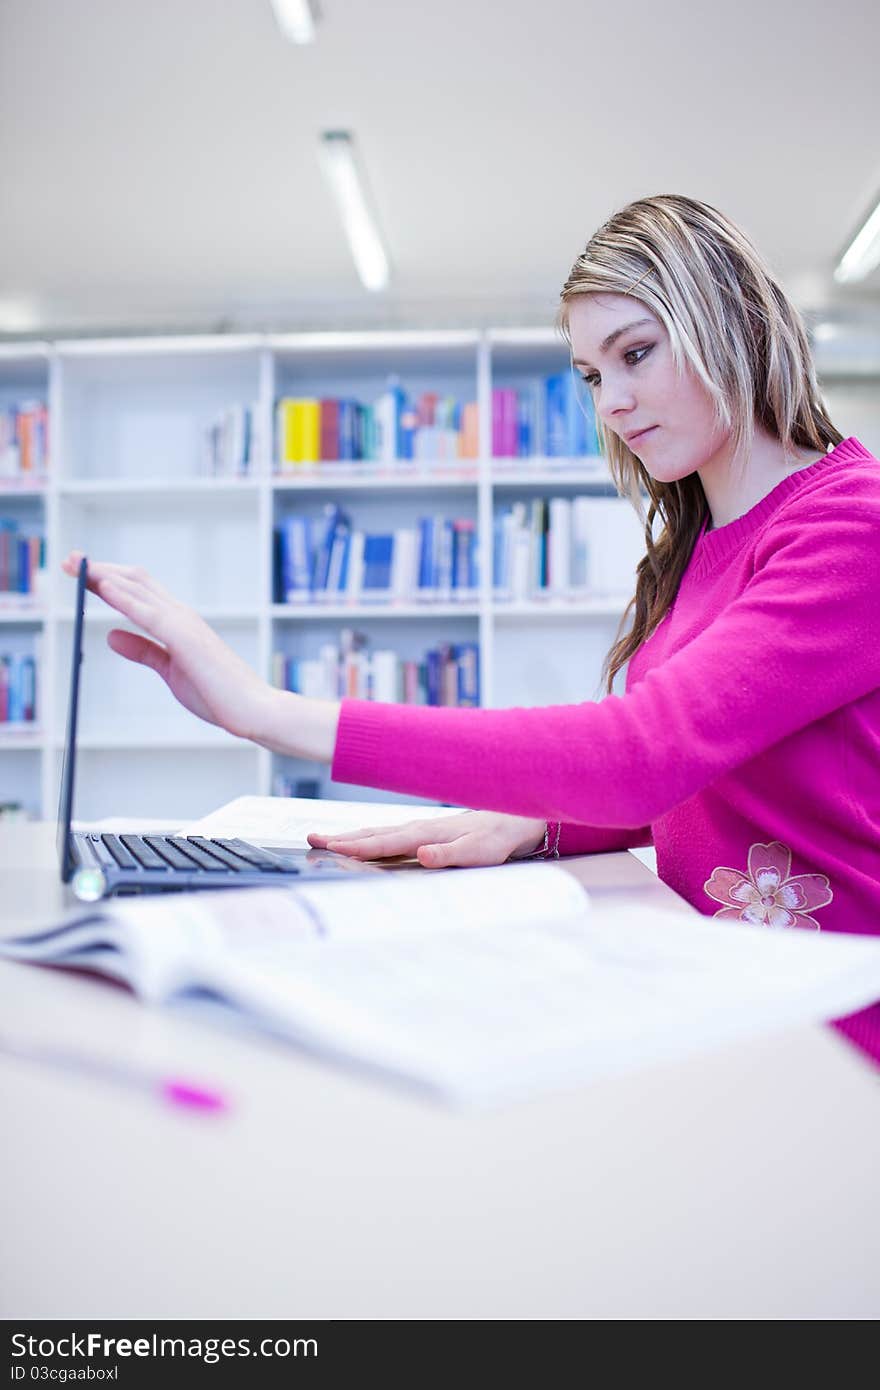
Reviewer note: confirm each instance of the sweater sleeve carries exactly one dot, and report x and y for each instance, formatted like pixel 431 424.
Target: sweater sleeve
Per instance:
pixel 800 640
pixel 593 839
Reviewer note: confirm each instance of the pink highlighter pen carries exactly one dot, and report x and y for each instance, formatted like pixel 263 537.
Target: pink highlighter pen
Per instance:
pixel 172 1090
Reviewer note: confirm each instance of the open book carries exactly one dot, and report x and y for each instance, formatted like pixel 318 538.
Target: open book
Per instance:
pixel 479 984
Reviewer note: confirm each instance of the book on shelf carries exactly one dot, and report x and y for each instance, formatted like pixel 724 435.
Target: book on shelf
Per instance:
pixel 24 441
pixel 22 559
pixel 392 430
pixel 553 420
pixel 505 422
pixel 329 418
pixel 470 432
pixel 283 785
pixel 229 444
pixel 392 435
pixel 337 567
pixel 447 567
pixel 615 544
pixel 18 691
pixel 404 563
pixel 376 579
pixel 559 546
pixel 333 532
pixel 327 559
pixel 566 546
pixel 477 986
pixel 448 674
pixel 298 425
pixel 355 572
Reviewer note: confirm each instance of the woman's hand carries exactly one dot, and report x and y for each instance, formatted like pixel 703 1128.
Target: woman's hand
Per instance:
pixel 467 839
pixel 205 675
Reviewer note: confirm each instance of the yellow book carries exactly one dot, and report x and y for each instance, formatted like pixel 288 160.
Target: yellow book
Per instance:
pixel 309 430
pixel 284 431
pixel 299 431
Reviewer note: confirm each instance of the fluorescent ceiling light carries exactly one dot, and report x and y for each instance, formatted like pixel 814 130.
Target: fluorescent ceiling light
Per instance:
pixel 337 155
pixel 863 253
pixel 297 19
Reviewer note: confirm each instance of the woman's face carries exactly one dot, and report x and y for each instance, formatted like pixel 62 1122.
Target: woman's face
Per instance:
pixel 622 351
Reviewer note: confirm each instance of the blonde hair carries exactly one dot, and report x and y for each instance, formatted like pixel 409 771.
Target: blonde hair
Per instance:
pixel 729 322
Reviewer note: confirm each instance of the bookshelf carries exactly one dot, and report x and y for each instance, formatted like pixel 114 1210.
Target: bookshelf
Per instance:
pixel 127 418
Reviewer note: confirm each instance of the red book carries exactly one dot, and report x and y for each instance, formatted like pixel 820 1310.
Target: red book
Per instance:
pixel 426 408
pixel 330 429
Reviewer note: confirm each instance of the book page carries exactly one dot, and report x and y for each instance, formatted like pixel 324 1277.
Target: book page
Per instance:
pixel 137 949
pixel 286 820
pixel 482 985
pixel 494 1013
pixel 168 942
pixel 264 925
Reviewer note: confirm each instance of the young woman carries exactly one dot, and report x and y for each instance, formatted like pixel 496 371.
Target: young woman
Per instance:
pixel 747 742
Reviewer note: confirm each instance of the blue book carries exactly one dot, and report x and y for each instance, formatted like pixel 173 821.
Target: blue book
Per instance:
pixel 8 554
pixel 464 574
pixel 331 516
pixel 371 446
pixel 378 551
pixel 446 554
pixel 432 675
pixel 556 416
pixel 297 558
pixel 28 688
pixel 386 413
pixel 284 557
pixel 343 576
pixel 277 565
pixel 526 413
pixel 16 706
pixel 467 655
pixel 427 576
pixel 358 432
pixel 346 429
pixel 407 431
pixel 335 581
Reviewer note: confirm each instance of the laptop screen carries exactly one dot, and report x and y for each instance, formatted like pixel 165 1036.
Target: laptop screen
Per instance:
pixel 65 801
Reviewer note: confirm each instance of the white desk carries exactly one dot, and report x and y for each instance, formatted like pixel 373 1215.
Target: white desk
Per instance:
pixel 741 1184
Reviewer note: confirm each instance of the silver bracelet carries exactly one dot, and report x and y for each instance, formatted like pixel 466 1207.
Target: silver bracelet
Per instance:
pixel 545 851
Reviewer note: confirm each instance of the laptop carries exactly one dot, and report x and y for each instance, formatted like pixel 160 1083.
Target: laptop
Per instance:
pixel 98 865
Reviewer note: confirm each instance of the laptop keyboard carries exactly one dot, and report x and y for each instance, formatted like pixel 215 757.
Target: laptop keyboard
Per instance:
pixel 185 853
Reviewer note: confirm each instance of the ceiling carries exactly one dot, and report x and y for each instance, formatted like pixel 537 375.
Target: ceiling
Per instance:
pixel 159 156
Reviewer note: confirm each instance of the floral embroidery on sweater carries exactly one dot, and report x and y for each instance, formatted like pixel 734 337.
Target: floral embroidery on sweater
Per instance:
pixel 766 896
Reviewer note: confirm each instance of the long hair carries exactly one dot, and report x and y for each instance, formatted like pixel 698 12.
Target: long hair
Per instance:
pixel 732 325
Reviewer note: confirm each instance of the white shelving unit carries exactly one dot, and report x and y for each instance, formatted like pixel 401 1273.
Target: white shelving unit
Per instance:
pixel 126 422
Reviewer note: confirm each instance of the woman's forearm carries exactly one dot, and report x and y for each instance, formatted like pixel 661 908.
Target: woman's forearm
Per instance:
pixel 297 726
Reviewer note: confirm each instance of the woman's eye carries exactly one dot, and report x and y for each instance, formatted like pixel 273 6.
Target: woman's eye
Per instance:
pixel 636 355
pixel 632 357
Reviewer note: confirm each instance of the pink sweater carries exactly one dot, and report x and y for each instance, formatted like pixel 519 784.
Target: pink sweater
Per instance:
pixel 747 744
